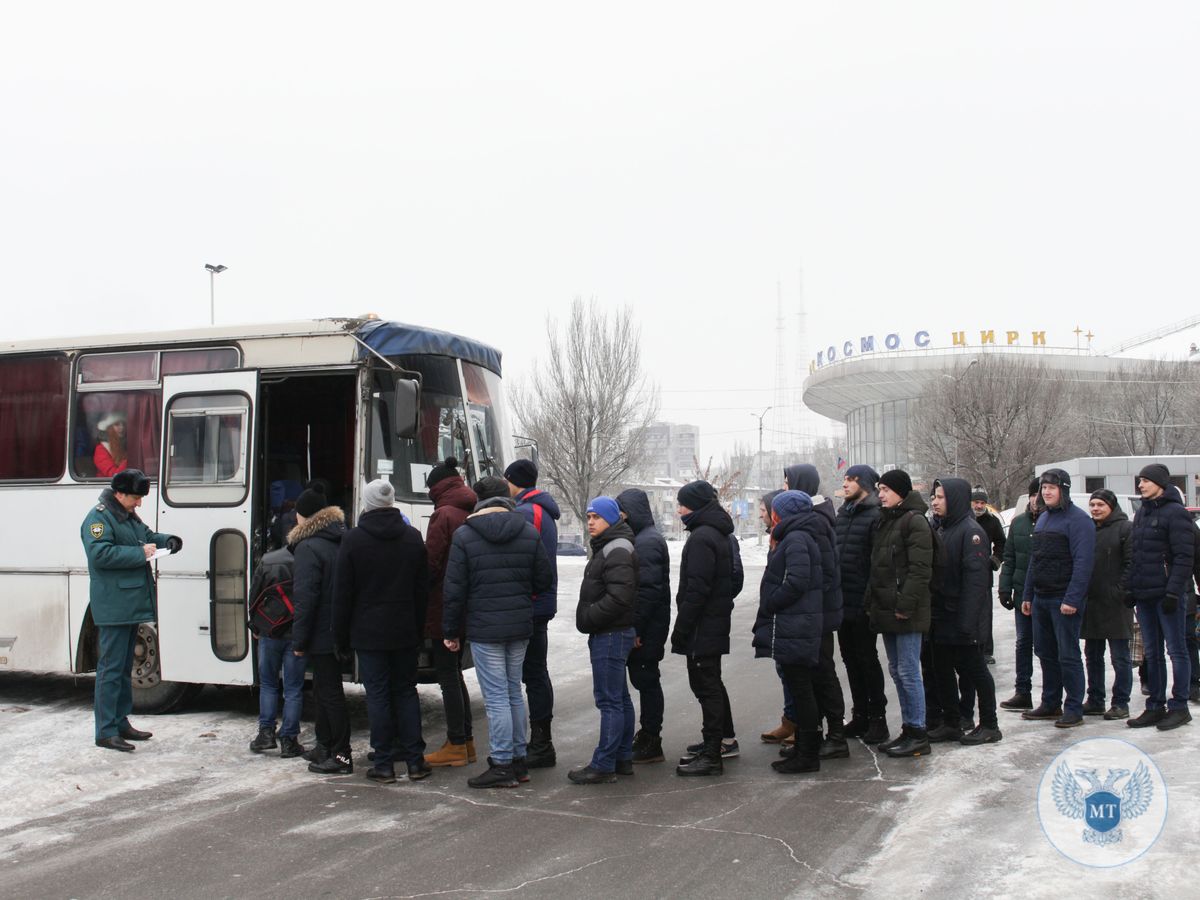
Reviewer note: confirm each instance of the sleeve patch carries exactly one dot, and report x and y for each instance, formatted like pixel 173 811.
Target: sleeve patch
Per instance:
pixel 97 529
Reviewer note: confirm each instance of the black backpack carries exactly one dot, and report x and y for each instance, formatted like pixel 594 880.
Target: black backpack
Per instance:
pixel 272 611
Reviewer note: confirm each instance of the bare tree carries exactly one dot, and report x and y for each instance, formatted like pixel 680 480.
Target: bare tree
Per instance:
pixel 1150 407
pixel 588 404
pixel 992 421
pixel 727 481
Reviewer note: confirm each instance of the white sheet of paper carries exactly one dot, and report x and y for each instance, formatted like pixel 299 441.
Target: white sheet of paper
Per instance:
pixel 161 552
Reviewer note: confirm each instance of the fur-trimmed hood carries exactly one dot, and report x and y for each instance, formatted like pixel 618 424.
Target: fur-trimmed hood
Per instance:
pixel 322 519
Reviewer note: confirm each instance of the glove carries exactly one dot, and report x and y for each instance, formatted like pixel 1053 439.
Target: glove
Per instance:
pixel 1170 604
pixel 1006 600
pixel 174 544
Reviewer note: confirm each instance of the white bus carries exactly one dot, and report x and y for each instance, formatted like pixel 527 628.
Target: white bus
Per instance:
pixel 227 422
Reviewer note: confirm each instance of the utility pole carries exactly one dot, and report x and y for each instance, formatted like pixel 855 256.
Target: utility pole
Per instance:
pixel 213 272
pixel 760 417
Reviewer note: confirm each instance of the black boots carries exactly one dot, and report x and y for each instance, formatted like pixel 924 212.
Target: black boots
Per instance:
pixel 857 726
pixel 912 742
pixel 264 741
pixel 540 752
pixel 1017 701
pixel 647 748
pixel 834 745
pixel 335 764
pixel 877 730
pixel 706 762
pixel 498 775
pixel 806 757
pixel 290 747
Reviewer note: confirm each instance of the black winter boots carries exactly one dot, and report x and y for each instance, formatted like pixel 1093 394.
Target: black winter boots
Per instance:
pixel 806 757
pixel 834 745
pixel 647 748
pixel 912 742
pixel 498 775
pixel 264 741
pixel 290 748
pixel 706 762
pixel 877 730
pixel 540 752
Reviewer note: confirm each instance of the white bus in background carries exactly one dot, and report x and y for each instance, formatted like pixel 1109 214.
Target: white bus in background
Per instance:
pixel 226 422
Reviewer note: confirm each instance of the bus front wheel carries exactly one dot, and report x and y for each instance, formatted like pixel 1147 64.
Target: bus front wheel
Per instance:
pixel 150 693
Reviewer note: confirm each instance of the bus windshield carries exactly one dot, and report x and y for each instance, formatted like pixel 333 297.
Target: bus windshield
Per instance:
pixel 486 413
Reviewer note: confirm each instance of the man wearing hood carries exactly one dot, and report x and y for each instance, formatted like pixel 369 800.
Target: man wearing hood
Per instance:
pixel 606 611
pixel 119 546
pixel 1163 554
pixel 857 519
pixel 1060 567
pixel 315 541
pixel 1107 620
pixel 497 564
pixel 652 621
pixel 380 588
pixel 542 512
pixel 959 615
pixel 1012 589
pixel 704 605
pixel 830 699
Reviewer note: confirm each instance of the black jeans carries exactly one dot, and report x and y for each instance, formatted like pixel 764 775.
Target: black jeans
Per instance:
pixel 538 689
pixel 949 663
pixel 801 682
pixel 332 720
pixel 447 665
pixel 860 655
pixel 393 707
pixel 646 679
pixel 831 704
pixel 704 678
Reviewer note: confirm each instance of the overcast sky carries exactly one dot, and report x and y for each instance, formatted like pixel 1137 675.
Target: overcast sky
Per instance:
pixel 474 166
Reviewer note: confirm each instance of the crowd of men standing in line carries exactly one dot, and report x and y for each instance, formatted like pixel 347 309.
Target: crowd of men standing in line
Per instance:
pixel 884 563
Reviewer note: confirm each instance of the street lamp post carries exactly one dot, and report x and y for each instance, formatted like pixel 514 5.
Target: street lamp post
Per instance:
pixel 213 272
pixel 760 417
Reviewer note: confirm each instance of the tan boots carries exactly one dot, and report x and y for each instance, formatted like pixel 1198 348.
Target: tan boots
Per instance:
pixel 452 754
pixel 785 733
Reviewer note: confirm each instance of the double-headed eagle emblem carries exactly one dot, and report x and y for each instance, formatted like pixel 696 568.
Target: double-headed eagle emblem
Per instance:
pixel 1098 804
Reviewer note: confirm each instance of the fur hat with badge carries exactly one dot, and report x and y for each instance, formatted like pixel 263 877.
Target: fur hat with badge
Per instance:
pixel 130 481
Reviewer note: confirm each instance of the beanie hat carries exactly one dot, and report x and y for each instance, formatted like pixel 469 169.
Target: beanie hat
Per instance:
pixel 864 475
pixel 1107 496
pixel 1158 473
pixel 379 494
pixel 696 494
pixel 1035 486
pixel 448 468
pixel 606 508
pixel 311 502
pixel 131 481
pixel 897 481
pixel 791 503
pixel 491 486
pixel 523 473
pixel 978 493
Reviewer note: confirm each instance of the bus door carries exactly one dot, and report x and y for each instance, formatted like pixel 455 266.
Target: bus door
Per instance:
pixel 205 497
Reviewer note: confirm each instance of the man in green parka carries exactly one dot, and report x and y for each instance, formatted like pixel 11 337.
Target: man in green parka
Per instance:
pixel 119 547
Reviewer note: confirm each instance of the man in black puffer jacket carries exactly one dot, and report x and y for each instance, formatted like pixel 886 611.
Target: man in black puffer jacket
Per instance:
pixel 380 590
pixel 704 605
pixel 607 601
pixel 855 526
pixel 315 542
pixel 652 621
pixel 1108 620
pixel 830 699
pixel 959 617
pixel 1163 553
pixel 497 563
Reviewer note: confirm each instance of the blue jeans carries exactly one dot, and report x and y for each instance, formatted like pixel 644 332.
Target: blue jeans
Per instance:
pixel 1157 628
pixel 609 651
pixel 498 668
pixel 114 679
pixel 1056 643
pixel 1024 652
pixel 789 702
pixel 275 654
pixel 393 708
pixel 904 664
pixel 1118 651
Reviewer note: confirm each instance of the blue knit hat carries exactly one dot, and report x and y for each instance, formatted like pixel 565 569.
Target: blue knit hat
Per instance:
pixel 791 503
pixel 864 475
pixel 606 508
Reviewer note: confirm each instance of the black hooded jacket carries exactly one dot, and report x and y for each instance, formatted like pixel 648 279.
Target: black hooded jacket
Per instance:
pixel 315 548
pixel 855 527
pixel 805 477
pixel 652 619
pixel 1106 615
pixel 497 563
pixel 704 601
pixel 962 597
pixel 608 594
pixel 381 585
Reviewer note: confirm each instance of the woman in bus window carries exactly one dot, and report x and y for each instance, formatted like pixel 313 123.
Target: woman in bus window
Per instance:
pixel 110 455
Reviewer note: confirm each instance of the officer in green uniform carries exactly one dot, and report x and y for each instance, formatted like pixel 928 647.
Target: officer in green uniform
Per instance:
pixel 118 546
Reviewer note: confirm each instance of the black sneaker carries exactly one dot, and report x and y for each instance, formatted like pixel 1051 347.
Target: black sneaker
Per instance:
pixel 1093 709
pixel 588 775
pixel 729 749
pixel 624 766
pixel 265 740
pixel 1017 701
pixel 498 775
pixel 1043 713
pixel 290 748
pixel 333 765
pixel 1117 712
pixel 981 734
pixel 1174 718
pixel 1147 718
pixel 1068 720
pixel 382 774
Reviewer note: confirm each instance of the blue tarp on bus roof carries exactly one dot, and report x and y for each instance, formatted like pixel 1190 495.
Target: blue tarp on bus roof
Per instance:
pixel 397 339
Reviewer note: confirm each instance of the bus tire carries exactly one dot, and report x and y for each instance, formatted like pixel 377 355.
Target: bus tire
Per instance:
pixel 150 693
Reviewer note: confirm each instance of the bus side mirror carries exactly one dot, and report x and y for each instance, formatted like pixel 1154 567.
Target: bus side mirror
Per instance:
pixel 406 407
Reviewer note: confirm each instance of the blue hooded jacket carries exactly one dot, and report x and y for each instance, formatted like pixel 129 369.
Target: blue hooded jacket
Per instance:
pixel 788 627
